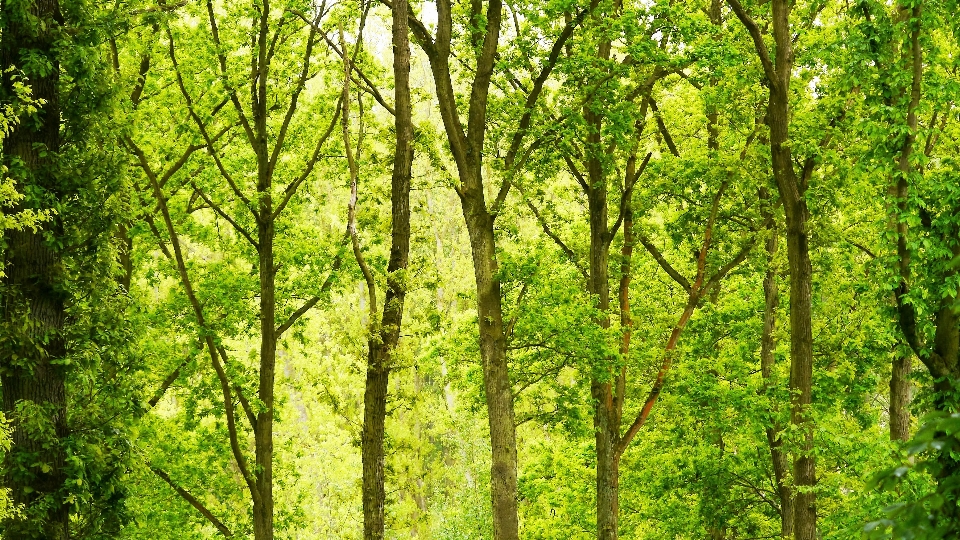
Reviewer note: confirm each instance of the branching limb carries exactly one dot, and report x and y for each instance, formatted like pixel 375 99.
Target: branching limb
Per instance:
pixel 662 261
pixel 224 77
pixel 216 208
pixel 203 129
pixel 292 187
pixel 308 305
pixel 194 502
pixel 354 173
pixel 759 45
pixel 168 382
pixel 571 255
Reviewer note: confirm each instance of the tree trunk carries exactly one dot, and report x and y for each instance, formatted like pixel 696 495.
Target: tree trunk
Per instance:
pixel 792 189
pixel 267 269
pixel 496 374
pixel 32 293
pixel 382 343
pixel 900 397
pixel 263 434
pixel 778 459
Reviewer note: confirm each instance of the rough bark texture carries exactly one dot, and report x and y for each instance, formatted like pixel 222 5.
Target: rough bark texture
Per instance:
pixel 942 356
pixel 606 432
pixel 32 293
pixel 900 397
pixel 792 187
pixel 383 342
pixel 771 294
pixel 466 145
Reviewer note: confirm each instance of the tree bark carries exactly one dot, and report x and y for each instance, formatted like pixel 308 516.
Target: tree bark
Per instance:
pixel 382 342
pixel 466 145
pixel 792 187
pixel 900 396
pixel 771 294
pixel 32 291
pixel 496 374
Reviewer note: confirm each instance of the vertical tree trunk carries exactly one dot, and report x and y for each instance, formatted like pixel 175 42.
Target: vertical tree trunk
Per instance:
pixel 496 374
pixel 771 294
pixel 900 396
pixel 32 292
pixel 901 365
pixel 792 187
pixel 263 434
pixel 267 269
pixel 466 145
pixel 382 343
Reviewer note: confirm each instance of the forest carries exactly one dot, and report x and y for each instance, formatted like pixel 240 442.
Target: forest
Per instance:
pixel 480 269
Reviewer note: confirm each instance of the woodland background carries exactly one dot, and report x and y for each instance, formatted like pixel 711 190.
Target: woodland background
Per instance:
pixel 487 269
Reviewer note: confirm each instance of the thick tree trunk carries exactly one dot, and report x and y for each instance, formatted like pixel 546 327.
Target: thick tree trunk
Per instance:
pixel 496 374
pixel 382 343
pixel 900 397
pixel 32 293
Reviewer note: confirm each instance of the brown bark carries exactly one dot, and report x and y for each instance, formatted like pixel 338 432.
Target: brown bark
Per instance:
pixel 606 433
pixel 792 188
pixel 901 365
pixel 384 340
pixel 900 397
pixel 942 356
pixel 32 290
pixel 194 502
pixel 466 144
pixel 771 295
pixel 265 211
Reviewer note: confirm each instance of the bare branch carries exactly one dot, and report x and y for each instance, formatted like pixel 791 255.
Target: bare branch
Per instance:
pixel 216 208
pixel 667 138
pixel 571 256
pixel 203 129
pixel 308 305
pixel 168 382
pixel 292 187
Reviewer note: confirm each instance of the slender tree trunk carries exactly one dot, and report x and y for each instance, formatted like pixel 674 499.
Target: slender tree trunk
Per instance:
pixel 32 294
pixel 383 342
pixel 901 365
pixel 266 234
pixel 778 459
pixel 263 434
pixel 606 430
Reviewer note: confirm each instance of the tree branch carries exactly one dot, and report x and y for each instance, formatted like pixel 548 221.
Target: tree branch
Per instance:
pixel 194 502
pixel 667 267
pixel 759 45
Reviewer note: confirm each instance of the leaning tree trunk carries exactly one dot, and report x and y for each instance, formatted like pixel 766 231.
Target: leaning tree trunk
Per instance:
pixel 32 292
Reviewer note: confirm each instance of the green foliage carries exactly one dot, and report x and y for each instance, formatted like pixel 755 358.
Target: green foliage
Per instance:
pixel 923 511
